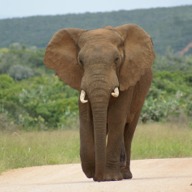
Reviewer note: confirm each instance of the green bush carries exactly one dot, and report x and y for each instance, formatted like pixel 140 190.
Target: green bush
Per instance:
pixel 19 72
pixel 40 102
pixel 45 102
pixel 169 96
pixel 21 62
pixel 160 109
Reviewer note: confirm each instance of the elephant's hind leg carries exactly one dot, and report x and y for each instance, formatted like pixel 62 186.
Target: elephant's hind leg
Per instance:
pixel 128 136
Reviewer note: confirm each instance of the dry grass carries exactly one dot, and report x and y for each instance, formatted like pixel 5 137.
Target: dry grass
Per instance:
pixel 162 141
pixel 22 149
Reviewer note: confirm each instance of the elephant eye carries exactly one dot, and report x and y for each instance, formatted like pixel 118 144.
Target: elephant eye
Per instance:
pixel 81 62
pixel 117 60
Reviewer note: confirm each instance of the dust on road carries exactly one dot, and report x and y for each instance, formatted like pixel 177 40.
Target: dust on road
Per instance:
pixel 154 175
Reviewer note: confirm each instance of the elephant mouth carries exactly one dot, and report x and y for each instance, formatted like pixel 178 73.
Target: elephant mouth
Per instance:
pixel 114 93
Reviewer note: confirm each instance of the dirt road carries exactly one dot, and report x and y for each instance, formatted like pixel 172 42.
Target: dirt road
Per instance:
pixel 157 175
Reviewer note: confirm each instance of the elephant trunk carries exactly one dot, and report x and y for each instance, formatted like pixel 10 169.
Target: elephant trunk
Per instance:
pixel 99 103
pixel 100 119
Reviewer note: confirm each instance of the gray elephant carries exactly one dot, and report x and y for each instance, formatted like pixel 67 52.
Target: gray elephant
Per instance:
pixel 111 68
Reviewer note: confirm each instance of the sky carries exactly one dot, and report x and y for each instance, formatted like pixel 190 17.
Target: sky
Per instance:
pixel 25 8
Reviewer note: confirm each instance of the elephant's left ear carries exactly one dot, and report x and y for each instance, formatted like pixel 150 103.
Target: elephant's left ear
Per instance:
pixel 139 54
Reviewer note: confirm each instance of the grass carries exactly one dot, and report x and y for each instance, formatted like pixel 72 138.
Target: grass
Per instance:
pixel 23 149
pixel 162 141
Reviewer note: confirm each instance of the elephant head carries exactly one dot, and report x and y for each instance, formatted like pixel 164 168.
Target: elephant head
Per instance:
pixel 100 64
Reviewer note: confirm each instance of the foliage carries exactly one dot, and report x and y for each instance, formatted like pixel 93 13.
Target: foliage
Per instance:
pixel 170 95
pixel 42 101
pixel 21 62
pixel 39 102
pixel 167 26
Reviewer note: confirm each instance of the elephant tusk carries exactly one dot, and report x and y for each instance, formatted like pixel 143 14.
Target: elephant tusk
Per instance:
pixel 116 92
pixel 82 97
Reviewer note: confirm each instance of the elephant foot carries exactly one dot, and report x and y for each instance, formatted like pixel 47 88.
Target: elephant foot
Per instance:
pixel 88 170
pixel 110 175
pixel 126 173
pixel 113 174
pixel 89 174
pixel 98 178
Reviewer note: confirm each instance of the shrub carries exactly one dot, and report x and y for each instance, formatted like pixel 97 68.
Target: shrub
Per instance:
pixel 19 72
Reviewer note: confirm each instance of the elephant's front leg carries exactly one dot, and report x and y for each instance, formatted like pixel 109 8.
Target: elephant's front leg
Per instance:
pixel 114 145
pixel 86 140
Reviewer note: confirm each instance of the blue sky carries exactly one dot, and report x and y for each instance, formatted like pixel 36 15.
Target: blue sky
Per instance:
pixel 24 8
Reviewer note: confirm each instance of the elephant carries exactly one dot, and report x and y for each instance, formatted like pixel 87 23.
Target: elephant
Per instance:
pixel 111 69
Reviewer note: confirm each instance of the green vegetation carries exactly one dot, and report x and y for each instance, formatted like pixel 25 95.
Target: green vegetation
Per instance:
pixel 38 100
pixel 23 149
pixel 32 98
pixel 38 103
pixel 169 27
pixel 21 62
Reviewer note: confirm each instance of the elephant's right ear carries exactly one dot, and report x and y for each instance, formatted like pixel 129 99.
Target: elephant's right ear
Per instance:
pixel 61 55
